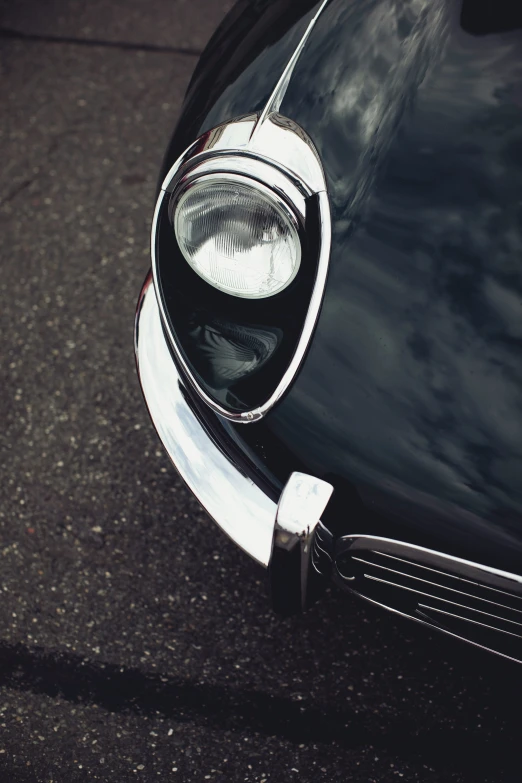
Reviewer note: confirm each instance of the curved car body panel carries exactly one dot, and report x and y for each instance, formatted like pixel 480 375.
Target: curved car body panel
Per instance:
pixel 412 390
pixel 240 67
pixel 410 398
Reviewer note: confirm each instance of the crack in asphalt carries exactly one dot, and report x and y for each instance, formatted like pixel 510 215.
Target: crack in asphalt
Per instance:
pixel 16 190
pixel 7 32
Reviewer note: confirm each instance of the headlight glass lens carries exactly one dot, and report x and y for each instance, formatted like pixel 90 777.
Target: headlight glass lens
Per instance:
pixel 237 236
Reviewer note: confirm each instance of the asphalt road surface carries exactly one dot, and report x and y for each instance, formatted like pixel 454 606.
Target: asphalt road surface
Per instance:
pixel 136 641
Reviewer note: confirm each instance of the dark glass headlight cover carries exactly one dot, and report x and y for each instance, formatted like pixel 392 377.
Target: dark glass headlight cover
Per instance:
pixel 211 326
pixel 240 245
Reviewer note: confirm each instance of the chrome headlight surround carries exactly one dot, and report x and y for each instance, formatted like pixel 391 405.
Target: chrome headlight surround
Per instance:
pixel 275 154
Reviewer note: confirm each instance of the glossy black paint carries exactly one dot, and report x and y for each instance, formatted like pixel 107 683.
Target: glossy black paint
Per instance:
pixel 240 66
pixel 410 398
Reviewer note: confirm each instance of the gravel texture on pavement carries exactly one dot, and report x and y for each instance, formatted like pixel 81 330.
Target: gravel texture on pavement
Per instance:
pixel 136 641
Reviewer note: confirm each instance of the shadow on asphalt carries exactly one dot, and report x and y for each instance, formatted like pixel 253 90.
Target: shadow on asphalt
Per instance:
pixel 119 689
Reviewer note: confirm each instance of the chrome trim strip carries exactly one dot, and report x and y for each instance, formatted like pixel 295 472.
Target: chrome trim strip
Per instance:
pixel 434 627
pixel 279 91
pixel 438 598
pixel 238 505
pixel 469 620
pixel 497 578
pixel 452 576
pixel 436 584
pixel 354 547
pixel 293 192
pixel 274 102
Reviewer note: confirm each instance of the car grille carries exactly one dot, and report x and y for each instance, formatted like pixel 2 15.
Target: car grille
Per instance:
pixel 475 603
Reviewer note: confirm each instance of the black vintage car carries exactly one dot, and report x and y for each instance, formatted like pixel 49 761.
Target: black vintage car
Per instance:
pixel 330 340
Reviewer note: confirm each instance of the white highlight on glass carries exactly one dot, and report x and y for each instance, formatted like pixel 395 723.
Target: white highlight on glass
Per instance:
pixel 238 236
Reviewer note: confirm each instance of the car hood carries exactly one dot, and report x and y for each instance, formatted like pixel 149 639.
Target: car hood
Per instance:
pixel 412 389
pixel 410 397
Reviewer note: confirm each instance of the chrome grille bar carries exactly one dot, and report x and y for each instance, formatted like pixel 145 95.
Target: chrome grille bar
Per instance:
pixel 468 620
pixel 435 584
pixel 445 600
pixel 450 576
pixel 473 602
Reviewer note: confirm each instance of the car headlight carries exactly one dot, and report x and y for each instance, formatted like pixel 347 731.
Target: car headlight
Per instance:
pixel 238 235
pixel 240 248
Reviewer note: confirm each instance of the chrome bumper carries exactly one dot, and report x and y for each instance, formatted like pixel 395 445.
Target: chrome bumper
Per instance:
pixel 232 499
pixel 286 537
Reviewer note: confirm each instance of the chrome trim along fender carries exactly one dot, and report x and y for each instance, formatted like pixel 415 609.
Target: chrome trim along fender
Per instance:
pixel 232 499
pixel 275 100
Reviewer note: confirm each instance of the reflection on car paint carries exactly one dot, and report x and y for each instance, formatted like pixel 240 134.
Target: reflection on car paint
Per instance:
pixel 410 396
pixel 421 329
